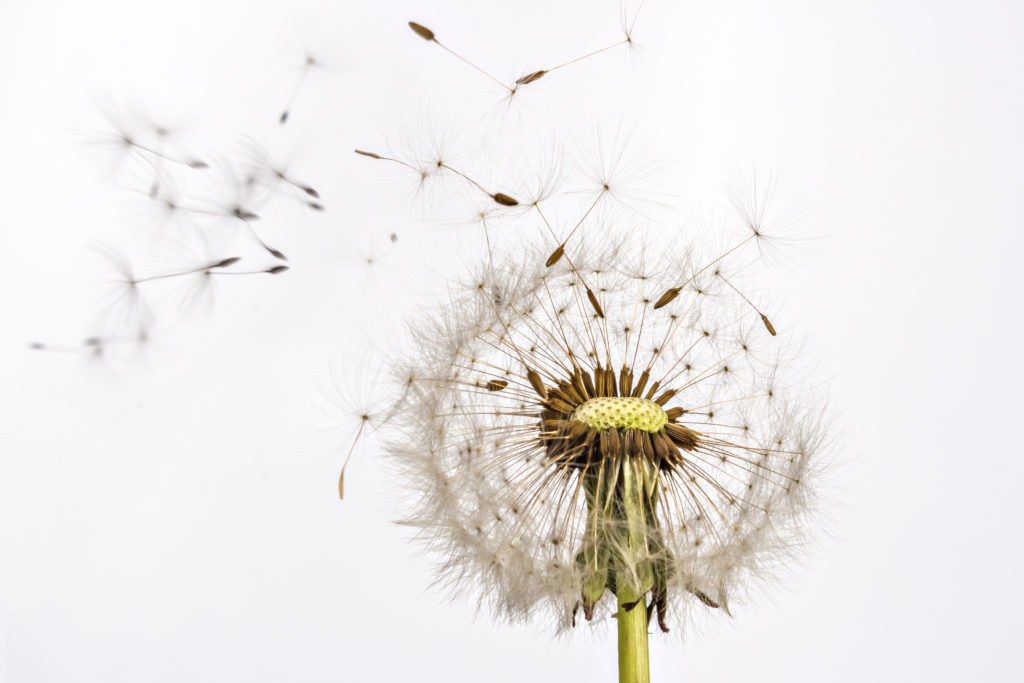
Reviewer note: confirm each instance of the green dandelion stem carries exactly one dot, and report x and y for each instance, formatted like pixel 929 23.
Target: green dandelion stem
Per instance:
pixel 635 576
pixel 634 663
pixel 621 550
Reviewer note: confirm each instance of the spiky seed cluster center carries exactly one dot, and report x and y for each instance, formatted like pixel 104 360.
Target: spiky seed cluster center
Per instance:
pixel 622 412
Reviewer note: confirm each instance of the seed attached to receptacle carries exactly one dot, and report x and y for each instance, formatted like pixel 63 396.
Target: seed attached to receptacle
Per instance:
pixel 537 383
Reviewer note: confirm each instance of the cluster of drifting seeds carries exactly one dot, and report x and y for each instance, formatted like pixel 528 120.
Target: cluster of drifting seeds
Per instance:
pixel 198 205
pixel 601 415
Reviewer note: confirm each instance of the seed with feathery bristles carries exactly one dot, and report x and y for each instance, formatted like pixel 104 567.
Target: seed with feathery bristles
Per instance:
pixel 496 384
pixel 368 154
pixel 429 36
pixel 768 324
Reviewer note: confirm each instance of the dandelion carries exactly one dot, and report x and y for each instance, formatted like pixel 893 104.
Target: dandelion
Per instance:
pixel 599 424
pixel 597 436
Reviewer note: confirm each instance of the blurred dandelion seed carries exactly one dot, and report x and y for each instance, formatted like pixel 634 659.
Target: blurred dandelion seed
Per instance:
pixel 266 170
pixel 308 64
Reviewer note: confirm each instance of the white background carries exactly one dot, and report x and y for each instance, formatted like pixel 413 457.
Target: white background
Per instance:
pixel 170 514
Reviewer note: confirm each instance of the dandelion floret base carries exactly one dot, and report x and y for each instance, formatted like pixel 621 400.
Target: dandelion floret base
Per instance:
pixel 622 412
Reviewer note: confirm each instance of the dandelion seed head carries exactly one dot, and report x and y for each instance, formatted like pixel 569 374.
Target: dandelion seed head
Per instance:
pixel 559 414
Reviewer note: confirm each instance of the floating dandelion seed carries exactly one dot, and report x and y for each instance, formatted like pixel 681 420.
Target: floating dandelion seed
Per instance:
pixel 562 455
pixel 308 64
pixel 137 133
pixel 498 197
pixel 264 169
pixel 429 36
pixel 237 197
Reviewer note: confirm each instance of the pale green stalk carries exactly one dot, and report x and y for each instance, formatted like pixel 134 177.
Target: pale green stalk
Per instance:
pixel 634 663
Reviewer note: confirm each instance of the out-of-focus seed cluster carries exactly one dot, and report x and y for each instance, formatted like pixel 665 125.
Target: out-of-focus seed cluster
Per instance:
pixel 201 222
